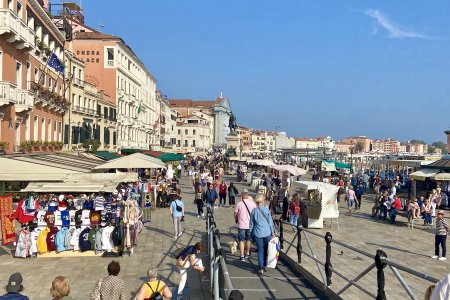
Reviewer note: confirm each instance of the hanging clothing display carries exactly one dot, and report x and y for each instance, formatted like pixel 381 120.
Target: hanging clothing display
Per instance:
pixel 7 220
pixel 23 244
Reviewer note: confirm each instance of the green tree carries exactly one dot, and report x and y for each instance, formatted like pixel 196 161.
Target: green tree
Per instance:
pixel 441 145
pixel 359 147
pixel 417 142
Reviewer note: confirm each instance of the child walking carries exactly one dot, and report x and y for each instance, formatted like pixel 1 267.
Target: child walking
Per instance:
pixel 441 236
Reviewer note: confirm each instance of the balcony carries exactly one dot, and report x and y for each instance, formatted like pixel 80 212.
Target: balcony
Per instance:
pixel 79 82
pixel 125 120
pixel 25 100
pixel 110 63
pixel 15 31
pixel 84 110
pixel 7 93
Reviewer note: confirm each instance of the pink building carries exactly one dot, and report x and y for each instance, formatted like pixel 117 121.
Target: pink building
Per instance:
pixel 32 100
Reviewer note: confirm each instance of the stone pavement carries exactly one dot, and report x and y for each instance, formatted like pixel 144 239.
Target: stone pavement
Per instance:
pixel 155 249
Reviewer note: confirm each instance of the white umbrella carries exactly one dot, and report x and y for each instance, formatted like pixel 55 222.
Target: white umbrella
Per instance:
pixel 133 161
pixel 296 171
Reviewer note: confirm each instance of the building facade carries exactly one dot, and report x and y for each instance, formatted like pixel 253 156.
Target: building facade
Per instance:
pixel 194 132
pixel 32 102
pixel 219 109
pixel 245 138
pixel 364 141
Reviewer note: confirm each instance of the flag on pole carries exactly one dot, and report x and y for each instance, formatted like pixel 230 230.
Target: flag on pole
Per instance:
pixel 55 63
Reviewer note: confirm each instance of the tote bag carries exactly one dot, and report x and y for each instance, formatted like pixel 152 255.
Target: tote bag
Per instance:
pixel 273 251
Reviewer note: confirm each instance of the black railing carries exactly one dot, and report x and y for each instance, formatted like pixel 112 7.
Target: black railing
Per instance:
pixel 326 269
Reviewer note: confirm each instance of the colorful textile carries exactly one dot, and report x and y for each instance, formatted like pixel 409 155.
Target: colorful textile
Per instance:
pixel 7 220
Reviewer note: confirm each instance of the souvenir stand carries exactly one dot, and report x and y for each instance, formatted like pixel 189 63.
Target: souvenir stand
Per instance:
pixel 91 214
pixel 318 202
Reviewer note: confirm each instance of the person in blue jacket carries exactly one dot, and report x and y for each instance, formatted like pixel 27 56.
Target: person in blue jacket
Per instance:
pixel 210 195
pixel 262 230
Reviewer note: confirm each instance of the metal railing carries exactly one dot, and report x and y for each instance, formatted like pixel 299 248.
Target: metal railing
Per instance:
pixel 221 285
pixel 325 268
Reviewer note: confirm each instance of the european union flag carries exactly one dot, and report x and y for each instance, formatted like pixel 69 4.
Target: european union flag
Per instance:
pixel 55 63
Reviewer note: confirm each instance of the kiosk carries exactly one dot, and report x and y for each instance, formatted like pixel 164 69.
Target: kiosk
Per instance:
pixel 318 202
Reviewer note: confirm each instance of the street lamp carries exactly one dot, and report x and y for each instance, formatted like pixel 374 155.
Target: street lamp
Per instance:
pixel 351 159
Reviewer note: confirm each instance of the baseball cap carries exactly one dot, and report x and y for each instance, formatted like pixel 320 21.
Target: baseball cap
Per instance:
pixel 14 283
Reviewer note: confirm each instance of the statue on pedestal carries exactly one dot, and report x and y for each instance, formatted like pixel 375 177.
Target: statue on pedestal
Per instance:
pixel 232 124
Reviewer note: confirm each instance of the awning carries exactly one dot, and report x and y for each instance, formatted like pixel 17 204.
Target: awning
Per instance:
pixel 423 174
pixel 69 161
pixel 261 162
pixel 131 151
pixel 296 171
pixel 442 177
pixel 328 166
pixel 133 161
pixel 70 187
pixel 16 170
pixel 107 155
pixel 171 157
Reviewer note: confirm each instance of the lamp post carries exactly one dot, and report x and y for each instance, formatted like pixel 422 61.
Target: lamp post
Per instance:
pixel 351 159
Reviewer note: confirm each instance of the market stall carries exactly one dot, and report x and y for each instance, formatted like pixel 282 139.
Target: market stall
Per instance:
pixel 318 202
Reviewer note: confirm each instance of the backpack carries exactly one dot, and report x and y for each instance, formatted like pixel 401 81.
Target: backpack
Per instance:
pixel 295 208
pixel 155 295
pixel 177 253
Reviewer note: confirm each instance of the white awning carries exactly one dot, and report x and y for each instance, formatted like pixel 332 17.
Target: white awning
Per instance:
pixel 16 170
pixel 261 162
pixel 133 161
pixel 296 171
pixel 423 174
pixel 70 187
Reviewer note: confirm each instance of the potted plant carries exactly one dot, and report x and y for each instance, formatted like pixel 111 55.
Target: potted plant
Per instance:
pixel 59 145
pixel 47 51
pixel 26 146
pixel 41 45
pixel 53 96
pixel 45 144
pixel 4 145
pixel 37 86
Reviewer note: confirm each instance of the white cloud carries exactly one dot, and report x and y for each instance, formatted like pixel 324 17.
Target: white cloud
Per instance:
pixel 393 30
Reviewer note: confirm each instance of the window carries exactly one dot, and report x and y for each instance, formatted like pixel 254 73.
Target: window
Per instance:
pixel 1 64
pixel 186 131
pixel 43 79
pixel 178 143
pixel 43 130
pixel 49 133
pixel 28 74
pixel 193 131
pixel 105 112
pixel 110 54
pixel 50 85
pixel 36 128
pixel 193 143
pixel 185 143
pixel 19 75
pixel 179 131
pixel 19 9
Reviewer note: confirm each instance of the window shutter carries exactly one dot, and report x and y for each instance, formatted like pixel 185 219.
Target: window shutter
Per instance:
pixel 66 134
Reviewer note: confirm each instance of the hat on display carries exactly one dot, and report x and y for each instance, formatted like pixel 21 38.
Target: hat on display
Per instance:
pixel 61 197
pixel 14 283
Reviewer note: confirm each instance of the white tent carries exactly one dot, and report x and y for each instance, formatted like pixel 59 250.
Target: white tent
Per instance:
pixel 133 161
pixel 16 170
pixel 296 171
pixel 261 162
pixel 328 207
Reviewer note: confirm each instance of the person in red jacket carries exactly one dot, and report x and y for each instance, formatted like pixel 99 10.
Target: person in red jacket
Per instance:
pixel 395 208
pixel 223 193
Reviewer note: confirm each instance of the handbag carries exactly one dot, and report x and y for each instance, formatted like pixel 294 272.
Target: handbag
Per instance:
pixel 177 207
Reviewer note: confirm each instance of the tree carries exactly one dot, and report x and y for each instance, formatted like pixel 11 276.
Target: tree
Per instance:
pixel 417 142
pixel 441 145
pixel 359 147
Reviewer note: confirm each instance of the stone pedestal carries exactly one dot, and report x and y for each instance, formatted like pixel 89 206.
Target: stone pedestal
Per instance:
pixel 233 142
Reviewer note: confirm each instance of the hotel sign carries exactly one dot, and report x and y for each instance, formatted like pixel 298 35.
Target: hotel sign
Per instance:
pixel 88 56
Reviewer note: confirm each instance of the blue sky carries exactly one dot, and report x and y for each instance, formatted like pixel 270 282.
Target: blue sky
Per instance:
pixel 339 68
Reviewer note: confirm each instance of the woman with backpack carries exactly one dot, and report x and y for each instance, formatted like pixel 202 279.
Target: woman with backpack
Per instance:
pixel 154 289
pixel 294 211
pixel 232 192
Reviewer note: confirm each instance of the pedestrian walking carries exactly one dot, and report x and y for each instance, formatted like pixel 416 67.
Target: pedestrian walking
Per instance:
pixel 60 289
pixel 177 213
pixel 261 227
pixel 351 198
pixel 110 287
pixel 440 238
pixel 232 192
pixel 199 202
pixel 14 288
pixel 153 287
pixel 242 214
pixel 223 188
pixel 294 211
pixel 210 195
pixel 185 260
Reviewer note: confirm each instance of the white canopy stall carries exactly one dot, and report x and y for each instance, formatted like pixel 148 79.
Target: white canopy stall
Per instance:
pixel 319 202
pixel 133 161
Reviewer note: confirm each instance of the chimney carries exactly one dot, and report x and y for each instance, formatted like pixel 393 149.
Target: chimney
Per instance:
pixel 447 132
